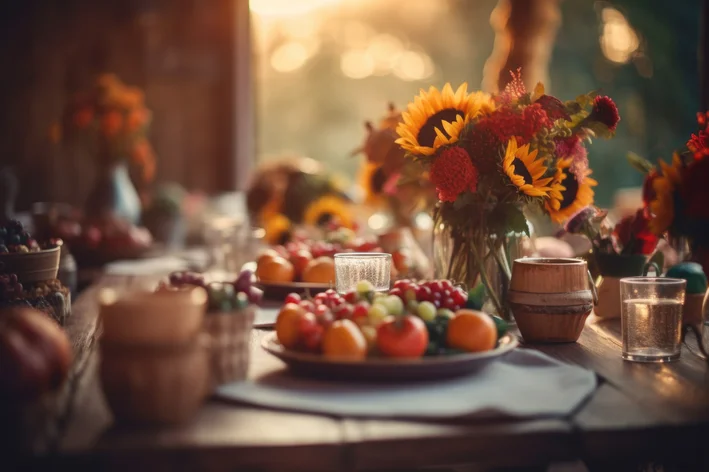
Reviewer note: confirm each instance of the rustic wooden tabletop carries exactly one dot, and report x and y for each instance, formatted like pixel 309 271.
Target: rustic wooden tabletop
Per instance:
pixel 640 412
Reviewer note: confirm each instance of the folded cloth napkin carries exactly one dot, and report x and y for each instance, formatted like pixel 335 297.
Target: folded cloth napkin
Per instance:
pixel 524 384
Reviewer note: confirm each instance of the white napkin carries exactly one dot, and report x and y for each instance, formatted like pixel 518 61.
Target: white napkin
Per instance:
pixel 523 384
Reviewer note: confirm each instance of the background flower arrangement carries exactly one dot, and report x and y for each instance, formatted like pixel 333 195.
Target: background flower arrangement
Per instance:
pixel 491 156
pixel 676 195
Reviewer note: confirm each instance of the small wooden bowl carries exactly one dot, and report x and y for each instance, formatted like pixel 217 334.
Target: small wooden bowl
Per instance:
pixel 161 384
pixel 142 317
pixel 229 345
pixel 550 298
pixel 32 266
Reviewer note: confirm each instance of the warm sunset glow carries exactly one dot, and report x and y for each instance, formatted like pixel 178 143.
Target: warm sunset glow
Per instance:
pixel 289 57
pixel 285 8
pixel 413 65
pixel 357 64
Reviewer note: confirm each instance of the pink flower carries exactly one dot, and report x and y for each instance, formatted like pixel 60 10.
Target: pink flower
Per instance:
pixel 573 148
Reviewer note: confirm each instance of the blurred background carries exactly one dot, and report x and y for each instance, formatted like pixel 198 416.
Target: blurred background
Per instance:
pixel 232 82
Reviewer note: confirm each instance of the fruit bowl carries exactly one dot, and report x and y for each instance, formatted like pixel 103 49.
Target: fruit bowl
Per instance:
pixel 390 369
pixel 32 266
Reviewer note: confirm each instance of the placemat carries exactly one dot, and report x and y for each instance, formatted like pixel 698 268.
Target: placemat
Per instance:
pixel 524 384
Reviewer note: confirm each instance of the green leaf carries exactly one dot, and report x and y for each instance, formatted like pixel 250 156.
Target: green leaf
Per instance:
pixel 599 129
pixel 506 218
pixel 516 220
pixel 463 200
pixel 640 163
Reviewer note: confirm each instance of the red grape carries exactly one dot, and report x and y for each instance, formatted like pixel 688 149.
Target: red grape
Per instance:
pixel 351 297
pixel 343 312
pixel 460 297
pixel 448 303
pixel 361 310
pixel 436 286
pixel 307 305
pixel 292 298
pixel 398 292
pixel 446 284
pixel 423 294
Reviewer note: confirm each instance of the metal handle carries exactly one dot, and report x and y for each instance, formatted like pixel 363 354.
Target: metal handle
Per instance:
pixel 594 292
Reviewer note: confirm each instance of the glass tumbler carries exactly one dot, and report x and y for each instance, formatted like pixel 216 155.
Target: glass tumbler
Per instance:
pixel 352 267
pixel 651 318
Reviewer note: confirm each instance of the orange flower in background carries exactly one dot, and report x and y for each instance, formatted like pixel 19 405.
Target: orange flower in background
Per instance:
pixel 136 120
pixel 83 117
pixel 142 154
pixel 111 123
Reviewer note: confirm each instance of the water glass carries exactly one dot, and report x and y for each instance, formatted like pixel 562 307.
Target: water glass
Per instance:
pixel 651 318
pixel 352 267
pixel 230 243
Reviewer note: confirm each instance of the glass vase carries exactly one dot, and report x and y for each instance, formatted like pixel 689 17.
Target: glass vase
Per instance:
pixel 471 257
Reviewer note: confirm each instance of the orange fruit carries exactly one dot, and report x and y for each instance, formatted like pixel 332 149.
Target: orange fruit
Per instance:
pixel 320 270
pixel 265 255
pixel 472 331
pixel 287 325
pixel 275 269
pixel 343 339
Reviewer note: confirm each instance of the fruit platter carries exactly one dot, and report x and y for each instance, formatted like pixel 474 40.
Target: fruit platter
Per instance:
pixel 416 331
pixel 308 265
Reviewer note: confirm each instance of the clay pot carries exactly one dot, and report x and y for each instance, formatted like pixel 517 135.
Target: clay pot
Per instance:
pixel 551 298
pixel 614 267
pixel 142 317
pixel 155 384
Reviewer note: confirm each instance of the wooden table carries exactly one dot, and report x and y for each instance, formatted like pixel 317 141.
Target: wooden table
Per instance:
pixel 640 412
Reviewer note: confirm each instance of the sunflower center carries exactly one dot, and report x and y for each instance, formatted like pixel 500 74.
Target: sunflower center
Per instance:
pixel 427 133
pixel 572 189
pixel 522 171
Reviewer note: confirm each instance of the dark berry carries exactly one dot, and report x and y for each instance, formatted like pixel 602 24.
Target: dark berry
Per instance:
pixel 24 237
pixel 3 232
pixel 14 226
pixel 12 278
pixel 14 239
pixel 3 249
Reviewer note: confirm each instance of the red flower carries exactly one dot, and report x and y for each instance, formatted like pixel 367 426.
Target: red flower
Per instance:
pixel 605 111
pixel 699 144
pixel 633 234
pixel 452 173
pixel 694 190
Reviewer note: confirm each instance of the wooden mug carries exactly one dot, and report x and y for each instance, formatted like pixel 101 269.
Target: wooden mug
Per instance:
pixel 551 298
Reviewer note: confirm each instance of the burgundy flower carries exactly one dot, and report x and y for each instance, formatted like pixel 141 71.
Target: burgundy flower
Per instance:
pixel 648 190
pixel 634 235
pixel 605 111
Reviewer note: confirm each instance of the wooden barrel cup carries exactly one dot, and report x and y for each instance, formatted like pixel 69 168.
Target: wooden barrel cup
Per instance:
pixel 550 298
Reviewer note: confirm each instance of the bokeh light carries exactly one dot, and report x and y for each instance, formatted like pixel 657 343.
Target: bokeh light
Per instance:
pixel 619 41
pixel 357 63
pixel 289 57
pixel 412 65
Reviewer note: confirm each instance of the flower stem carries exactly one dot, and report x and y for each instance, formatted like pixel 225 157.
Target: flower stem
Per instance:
pixel 485 279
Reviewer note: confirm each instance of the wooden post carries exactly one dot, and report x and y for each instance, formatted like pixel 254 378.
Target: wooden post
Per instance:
pixel 524 37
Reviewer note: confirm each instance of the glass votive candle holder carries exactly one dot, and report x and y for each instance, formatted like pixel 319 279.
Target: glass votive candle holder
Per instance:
pixel 352 267
pixel 651 318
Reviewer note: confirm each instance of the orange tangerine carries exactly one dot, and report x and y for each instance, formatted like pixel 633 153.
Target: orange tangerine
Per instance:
pixel 287 325
pixel 343 339
pixel 472 331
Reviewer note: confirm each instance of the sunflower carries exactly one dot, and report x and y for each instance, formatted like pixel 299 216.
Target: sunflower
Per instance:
pixel 277 228
pixel 372 179
pixel 569 193
pixel 525 170
pixel 662 206
pixel 436 117
pixel 328 208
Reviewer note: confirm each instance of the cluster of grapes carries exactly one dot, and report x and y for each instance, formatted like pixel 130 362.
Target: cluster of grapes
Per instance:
pixel 222 296
pixel 10 287
pixel 441 293
pixel 14 238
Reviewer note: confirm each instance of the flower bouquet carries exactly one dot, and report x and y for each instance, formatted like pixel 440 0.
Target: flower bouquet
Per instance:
pixel 110 121
pixel 490 157
pixel 617 252
pixel 676 195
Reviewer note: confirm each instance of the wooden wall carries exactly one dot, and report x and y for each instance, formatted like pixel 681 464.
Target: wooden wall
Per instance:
pixel 181 52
